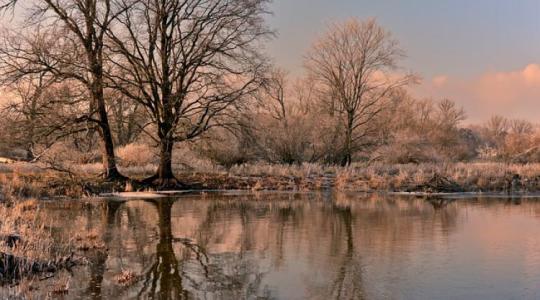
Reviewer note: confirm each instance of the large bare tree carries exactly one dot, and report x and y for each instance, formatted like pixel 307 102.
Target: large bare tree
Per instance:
pixel 80 26
pixel 188 62
pixel 354 62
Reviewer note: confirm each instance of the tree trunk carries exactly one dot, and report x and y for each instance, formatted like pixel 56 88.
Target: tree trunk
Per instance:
pixel 346 159
pixel 165 171
pixel 347 147
pixel 164 178
pixel 107 145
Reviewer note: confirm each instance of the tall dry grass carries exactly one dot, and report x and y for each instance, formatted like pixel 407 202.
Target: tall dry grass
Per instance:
pixel 472 177
pixel 25 182
pixel 37 243
pixel 32 182
pixel 35 248
pixel 43 257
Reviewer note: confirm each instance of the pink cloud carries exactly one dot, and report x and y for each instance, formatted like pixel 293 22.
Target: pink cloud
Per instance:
pixel 439 81
pixel 514 94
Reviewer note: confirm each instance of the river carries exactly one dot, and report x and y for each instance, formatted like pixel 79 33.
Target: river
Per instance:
pixel 304 246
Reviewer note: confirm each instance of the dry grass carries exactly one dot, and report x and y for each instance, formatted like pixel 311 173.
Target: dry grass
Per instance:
pixel 136 155
pixel 263 169
pixel 32 182
pixel 41 252
pixel 471 177
pixel 37 243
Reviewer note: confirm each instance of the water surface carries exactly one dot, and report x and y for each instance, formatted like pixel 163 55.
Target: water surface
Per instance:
pixel 306 246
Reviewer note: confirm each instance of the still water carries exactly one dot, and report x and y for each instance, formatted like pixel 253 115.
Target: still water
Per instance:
pixel 307 246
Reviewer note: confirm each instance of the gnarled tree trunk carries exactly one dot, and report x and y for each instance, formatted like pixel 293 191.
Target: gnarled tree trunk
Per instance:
pixel 165 173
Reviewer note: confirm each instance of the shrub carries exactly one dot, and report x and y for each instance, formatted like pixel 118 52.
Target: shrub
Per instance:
pixel 136 155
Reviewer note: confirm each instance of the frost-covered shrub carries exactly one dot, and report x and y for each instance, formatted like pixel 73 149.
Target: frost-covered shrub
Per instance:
pixel 136 155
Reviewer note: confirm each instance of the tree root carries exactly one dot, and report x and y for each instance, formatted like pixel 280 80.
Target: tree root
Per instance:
pixel 114 177
pixel 163 183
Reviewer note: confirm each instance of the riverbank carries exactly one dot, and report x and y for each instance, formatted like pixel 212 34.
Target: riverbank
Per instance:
pixel 23 180
pixel 33 250
pixel 22 186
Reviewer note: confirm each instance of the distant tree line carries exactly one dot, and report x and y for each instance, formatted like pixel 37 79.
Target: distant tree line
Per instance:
pixel 99 75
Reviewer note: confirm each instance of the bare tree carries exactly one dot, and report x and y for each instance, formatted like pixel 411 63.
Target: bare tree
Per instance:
pixel 187 63
pixel 126 116
pixel 449 115
pixel 274 94
pixel 446 134
pixel 28 110
pixel 81 25
pixel 495 130
pixel 287 128
pixel 353 62
pixel 274 126
pixel 42 111
pixel 518 126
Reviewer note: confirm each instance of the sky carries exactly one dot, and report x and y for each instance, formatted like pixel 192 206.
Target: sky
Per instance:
pixel 483 54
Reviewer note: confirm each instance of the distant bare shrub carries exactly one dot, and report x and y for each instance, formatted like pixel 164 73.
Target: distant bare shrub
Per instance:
pixel 136 155
pixel 66 153
pixel 511 140
pixel 187 158
pixel 423 131
pixel 224 148
pixel 288 143
pixel 408 148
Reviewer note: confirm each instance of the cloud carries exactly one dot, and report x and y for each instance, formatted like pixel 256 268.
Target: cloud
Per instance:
pixel 515 94
pixel 439 81
pixel 532 74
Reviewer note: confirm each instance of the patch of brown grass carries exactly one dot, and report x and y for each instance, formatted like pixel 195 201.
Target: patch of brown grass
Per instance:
pixel 18 185
pixel 37 243
pixel 472 177
pixel 26 205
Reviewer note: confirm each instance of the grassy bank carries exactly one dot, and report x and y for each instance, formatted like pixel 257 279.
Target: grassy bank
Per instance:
pixel 33 252
pixel 456 177
pixel 30 181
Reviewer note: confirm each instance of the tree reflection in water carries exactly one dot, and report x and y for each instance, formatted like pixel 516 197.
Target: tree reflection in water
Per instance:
pixel 238 248
pixel 98 257
pixel 439 203
pixel 348 282
pixel 163 279
pixel 173 272
pixel 290 246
